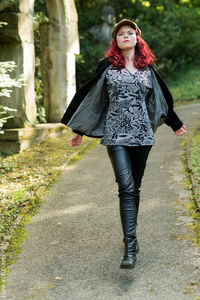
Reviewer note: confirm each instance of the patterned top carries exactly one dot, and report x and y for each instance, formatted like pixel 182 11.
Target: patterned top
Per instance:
pixel 127 122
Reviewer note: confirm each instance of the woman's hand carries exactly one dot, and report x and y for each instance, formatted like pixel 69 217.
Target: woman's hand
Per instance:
pixel 181 131
pixel 75 140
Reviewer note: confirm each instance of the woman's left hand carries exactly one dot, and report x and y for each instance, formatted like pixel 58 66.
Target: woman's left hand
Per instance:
pixel 181 131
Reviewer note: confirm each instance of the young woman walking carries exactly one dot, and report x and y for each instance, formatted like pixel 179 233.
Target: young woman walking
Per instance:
pixel 123 104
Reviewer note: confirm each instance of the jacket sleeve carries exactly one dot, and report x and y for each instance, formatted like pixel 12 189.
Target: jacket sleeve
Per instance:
pixel 98 69
pixel 78 132
pixel 172 119
pixel 78 98
pixel 82 92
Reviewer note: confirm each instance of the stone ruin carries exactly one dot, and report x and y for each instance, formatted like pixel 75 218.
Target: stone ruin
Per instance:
pixel 59 43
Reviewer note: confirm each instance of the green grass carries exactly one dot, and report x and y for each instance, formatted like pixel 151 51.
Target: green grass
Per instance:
pixel 5 154
pixel 195 161
pixel 185 84
pixel 195 155
pixel 194 226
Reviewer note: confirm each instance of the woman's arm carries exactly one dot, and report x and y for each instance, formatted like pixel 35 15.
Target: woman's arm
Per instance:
pixel 83 91
pixel 181 131
pixel 76 140
pixel 172 119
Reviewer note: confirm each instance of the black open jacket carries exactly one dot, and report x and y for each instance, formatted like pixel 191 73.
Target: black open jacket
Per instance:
pixel 171 119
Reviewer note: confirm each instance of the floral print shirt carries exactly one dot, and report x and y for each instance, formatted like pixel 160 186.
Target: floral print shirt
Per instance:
pixel 127 122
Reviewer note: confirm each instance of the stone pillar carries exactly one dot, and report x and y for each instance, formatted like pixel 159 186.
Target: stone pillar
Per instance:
pixel 59 43
pixel 17 44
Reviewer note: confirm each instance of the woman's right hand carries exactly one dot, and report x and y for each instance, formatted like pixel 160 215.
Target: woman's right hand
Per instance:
pixel 75 140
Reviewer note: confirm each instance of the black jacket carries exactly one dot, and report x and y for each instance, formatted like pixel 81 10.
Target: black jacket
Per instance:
pixel 80 117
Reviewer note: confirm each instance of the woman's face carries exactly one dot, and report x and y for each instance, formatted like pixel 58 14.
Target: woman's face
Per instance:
pixel 126 37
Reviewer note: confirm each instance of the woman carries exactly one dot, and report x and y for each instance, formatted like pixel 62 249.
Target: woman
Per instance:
pixel 124 104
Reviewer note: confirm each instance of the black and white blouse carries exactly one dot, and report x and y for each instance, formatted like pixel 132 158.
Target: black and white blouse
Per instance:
pixel 127 122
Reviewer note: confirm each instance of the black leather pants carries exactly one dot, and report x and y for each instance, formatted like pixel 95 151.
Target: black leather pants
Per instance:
pixel 129 164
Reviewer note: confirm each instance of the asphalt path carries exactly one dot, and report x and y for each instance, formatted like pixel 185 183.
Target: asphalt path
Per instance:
pixel 74 245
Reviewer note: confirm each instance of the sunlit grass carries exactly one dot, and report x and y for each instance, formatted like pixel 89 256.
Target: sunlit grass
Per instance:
pixel 195 162
pixel 195 155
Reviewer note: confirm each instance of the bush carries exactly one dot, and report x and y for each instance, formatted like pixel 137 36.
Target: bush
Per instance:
pixel 6 85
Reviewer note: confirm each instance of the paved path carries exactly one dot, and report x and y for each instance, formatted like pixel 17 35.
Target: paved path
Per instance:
pixel 74 245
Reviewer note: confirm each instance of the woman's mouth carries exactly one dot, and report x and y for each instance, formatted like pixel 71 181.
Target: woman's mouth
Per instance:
pixel 126 41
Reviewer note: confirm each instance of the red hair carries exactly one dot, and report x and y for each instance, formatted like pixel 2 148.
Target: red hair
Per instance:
pixel 143 54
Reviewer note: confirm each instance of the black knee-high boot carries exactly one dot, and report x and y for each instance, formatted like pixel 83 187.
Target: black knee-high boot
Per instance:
pixel 128 164
pixel 128 213
pixel 137 202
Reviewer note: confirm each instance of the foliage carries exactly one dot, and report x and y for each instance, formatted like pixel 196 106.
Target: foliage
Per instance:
pixel 6 82
pixel 185 84
pixel 85 70
pixel 173 37
pixel 195 157
pixel 39 94
pixel 6 3
pixel 2 24
pixel 195 161
pixel 40 17
pixel 6 85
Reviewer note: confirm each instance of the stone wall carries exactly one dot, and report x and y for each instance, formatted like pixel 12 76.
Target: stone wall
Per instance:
pixel 17 44
pixel 58 45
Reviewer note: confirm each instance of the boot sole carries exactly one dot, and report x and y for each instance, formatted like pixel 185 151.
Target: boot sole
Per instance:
pixel 127 267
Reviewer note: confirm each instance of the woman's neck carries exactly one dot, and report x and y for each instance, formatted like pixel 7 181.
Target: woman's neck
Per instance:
pixel 129 55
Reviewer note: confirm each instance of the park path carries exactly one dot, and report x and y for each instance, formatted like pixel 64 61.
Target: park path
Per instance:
pixel 74 245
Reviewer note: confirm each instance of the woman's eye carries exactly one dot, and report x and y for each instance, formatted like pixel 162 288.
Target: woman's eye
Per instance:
pixel 130 33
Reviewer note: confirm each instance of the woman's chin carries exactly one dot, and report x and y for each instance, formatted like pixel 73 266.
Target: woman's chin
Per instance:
pixel 127 47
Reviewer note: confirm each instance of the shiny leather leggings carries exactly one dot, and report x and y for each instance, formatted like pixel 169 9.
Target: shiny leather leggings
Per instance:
pixel 128 164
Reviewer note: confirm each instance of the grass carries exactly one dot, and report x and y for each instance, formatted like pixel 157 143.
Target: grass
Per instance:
pixel 185 84
pixel 185 88
pixel 195 162
pixel 194 226
pixel 195 154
